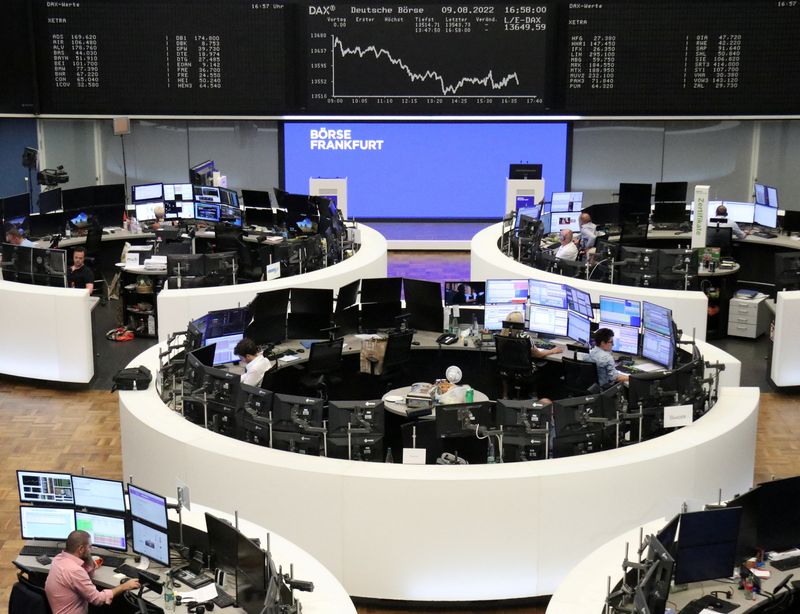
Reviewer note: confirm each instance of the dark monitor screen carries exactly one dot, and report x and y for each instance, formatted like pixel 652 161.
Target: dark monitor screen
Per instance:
pixel 150 542
pixel 622 311
pixel 670 213
pixel 251 575
pixel 203 356
pixel 97 493
pixel 311 300
pixel 507 291
pixel 605 214
pixel 422 292
pixel 185 265
pixel 658 348
pixel 147 506
pixel 707 545
pixel 464 293
pixel 45 487
pixel 253 216
pixel 779 514
pixel 635 194
pixel 256 198
pixel 455 419
pixel 580 301
pixel 381 289
pixel 223 542
pixel 50 200
pixel 524 171
pixel 77 198
pixel 108 194
pixel 16 206
pixel 666 536
pixel 671 191
pixel 368 415
pixel 791 221
pixel 104 531
pixel 657 318
pixel 49 224
pixel 54 523
pixel 110 215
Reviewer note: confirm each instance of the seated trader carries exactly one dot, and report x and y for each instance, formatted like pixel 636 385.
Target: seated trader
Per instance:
pixel 518 318
pixel 588 232
pixel 80 276
pixel 722 212
pixel 69 586
pixel 255 363
pixel 601 355
pixel 567 249
pixel 14 237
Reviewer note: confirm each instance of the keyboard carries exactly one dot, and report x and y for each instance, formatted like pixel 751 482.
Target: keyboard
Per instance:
pixel 765 235
pixel 708 601
pixel 785 564
pixel 628 369
pixel 39 550
pixel 223 599
pixel 543 345
pixel 134 572
pixel 112 561
pixel 191 579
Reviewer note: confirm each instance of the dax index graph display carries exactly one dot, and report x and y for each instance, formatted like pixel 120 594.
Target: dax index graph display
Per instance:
pixel 442 58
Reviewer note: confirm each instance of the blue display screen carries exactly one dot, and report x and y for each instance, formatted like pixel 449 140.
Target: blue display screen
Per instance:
pixel 422 170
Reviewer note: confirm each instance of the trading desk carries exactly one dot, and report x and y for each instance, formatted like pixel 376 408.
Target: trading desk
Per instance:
pixel 328 596
pixel 444 533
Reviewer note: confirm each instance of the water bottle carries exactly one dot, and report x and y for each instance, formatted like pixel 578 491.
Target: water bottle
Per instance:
pixel 169 594
pixel 389 457
pixel 490 453
pixel 469 396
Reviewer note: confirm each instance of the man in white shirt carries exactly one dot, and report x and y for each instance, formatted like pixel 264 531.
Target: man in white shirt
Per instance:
pixel 722 213
pixel 567 250
pixel 14 237
pixel 255 364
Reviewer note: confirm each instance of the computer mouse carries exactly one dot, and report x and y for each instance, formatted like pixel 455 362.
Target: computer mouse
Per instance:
pixel 43 559
pixel 301 351
pixel 415 343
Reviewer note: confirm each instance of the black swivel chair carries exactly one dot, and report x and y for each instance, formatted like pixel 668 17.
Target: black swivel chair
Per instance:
pixel 93 244
pixel 514 364
pixel 27 598
pixel 324 359
pixel 395 358
pixel 580 377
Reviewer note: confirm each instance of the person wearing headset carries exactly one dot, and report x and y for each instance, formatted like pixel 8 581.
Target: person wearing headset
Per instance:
pixel 722 213
pixel 567 249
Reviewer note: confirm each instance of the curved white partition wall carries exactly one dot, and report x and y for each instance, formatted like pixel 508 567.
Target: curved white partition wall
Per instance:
pixel 177 307
pixel 689 309
pixel 444 533
pixel 328 596
pixel 46 333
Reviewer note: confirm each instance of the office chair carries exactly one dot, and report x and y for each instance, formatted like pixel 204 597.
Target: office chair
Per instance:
pixel 93 244
pixel 580 377
pixel 324 359
pixel 27 598
pixel 514 363
pixel 395 358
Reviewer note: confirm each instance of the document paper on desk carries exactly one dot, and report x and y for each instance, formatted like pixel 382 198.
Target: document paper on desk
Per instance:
pixel 204 593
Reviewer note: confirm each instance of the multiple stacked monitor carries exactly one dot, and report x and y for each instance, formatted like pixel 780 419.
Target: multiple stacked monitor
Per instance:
pixel 713 545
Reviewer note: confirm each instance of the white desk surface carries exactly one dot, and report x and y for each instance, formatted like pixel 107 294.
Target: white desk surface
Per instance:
pixel 402 410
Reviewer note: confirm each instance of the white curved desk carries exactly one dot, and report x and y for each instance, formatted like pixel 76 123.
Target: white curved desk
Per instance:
pixel 443 533
pixel 689 308
pixel 46 333
pixel 177 307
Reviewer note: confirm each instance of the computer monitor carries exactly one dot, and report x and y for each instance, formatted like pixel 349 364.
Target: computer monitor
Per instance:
pixel 422 292
pixel 46 224
pixel 765 195
pixel 560 221
pixel 455 419
pixel 525 171
pixel 147 506
pixel 658 348
pixel 464 293
pixel 229 197
pixel 670 213
pixel 527 215
pixel 778 514
pixel 147 191
pixel 580 301
pixel 299 443
pixel 223 542
pixel 206 194
pixel 98 493
pixel 54 523
pixel 657 318
pixel 366 416
pixel 506 291
pixel 178 192
pixel 206 212
pixel 150 542
pixel 366 447
pixel 547 294
pixel 45 487
pixel 381 289
pixel 620 311
pixel 110 215
pixel 787 270
pixel 522 414
pixel 666 536
pixel 706 547
pixel 185 265
pixel 741 213
pixel 579 328
pixel 146 212
pixel 256 198
pixel 626 338
pixel 178 210
pixel 50 200
pixel 636 194
pixel 495 315
pixel 104 531
pixel 562 202
pixel 254 216
pixel 791 221
pixel 16 207
pixel 224 346
pixel 605 214
pixel 220 264
pixel 251 575
pixel 294 413
pixel 766 216
pixel 671 191
pixel 547 320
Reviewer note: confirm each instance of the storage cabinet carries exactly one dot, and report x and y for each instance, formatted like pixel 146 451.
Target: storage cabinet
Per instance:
pixel 748 317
